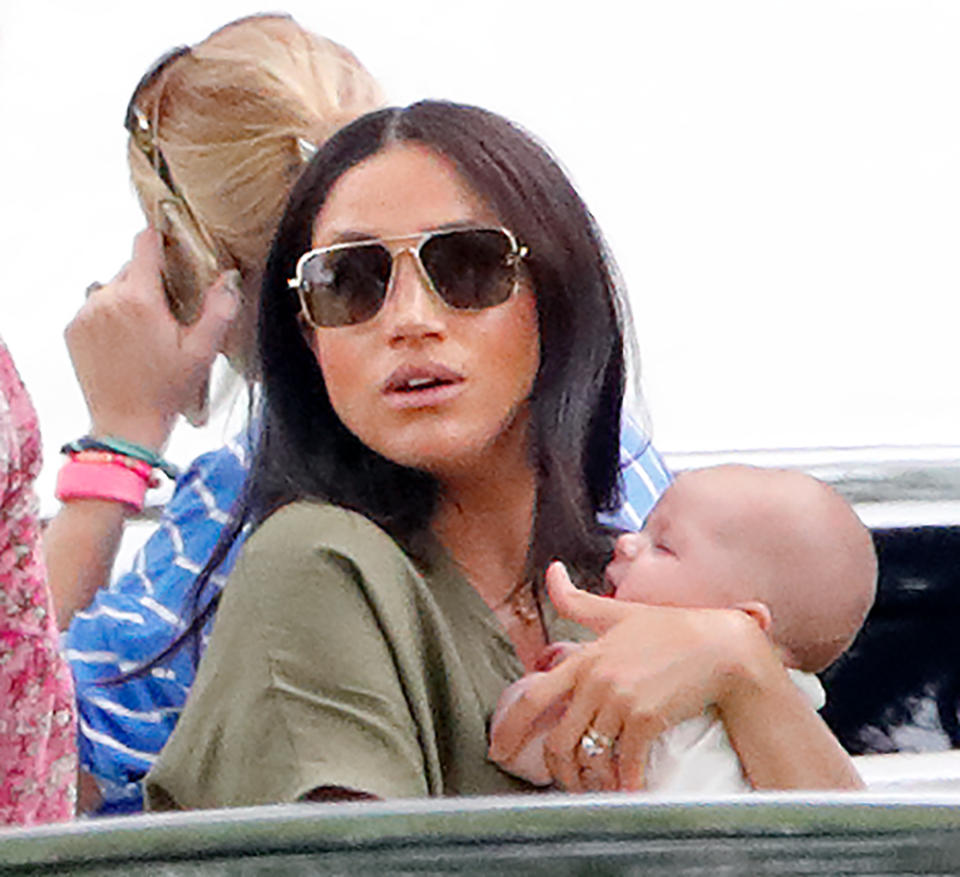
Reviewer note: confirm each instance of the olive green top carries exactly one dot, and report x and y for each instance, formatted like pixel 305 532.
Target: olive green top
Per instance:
pixel 336 660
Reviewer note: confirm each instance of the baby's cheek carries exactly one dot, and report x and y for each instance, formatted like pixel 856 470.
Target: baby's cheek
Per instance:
pixel 630 587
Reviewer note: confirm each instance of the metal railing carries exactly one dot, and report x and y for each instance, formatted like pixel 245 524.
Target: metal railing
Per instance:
pixel 758 834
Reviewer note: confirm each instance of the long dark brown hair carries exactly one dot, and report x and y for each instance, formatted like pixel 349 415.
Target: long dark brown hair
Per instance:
pixel 304 451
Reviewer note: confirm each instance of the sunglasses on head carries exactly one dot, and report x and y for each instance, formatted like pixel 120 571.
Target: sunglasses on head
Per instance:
pixel 137 123
pixel 189 257
pixel 468 268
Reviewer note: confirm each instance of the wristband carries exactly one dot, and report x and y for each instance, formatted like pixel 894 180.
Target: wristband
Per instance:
pixel 123 447
pixel 78 480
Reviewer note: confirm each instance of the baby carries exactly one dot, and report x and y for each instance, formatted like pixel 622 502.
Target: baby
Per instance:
pixel 777 544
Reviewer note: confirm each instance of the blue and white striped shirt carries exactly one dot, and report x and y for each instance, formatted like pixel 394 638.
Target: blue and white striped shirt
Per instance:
pixel 123 726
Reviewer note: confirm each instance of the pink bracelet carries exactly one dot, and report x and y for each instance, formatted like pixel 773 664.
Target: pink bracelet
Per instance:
pixel 87 480
pixel 144 470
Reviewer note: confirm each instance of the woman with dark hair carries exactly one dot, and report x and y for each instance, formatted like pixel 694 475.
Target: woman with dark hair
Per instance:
pixel 441 341
pixel 218 134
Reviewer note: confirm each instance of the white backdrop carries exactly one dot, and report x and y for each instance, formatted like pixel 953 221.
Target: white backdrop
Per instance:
pixel 780 181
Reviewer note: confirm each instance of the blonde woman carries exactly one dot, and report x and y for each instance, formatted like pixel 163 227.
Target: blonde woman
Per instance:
pixel 218 135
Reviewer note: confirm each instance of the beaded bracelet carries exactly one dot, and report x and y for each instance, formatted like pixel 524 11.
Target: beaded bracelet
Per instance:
pixel 89 480
pixel 144 470
pixel 123 447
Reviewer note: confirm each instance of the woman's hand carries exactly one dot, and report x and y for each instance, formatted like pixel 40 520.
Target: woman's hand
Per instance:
pixel 653 667
pixel 137 366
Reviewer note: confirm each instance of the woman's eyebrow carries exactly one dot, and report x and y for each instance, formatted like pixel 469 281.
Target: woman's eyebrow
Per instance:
pixel 460 223
pixel 349 236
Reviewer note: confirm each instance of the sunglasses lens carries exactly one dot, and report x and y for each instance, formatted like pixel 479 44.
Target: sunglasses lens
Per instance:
pixel 344 287
pixel 471 269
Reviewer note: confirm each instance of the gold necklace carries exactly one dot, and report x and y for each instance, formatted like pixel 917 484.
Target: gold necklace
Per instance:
pixel 521 604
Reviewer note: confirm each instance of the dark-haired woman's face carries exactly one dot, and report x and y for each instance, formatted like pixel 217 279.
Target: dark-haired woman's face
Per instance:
pixel 422 383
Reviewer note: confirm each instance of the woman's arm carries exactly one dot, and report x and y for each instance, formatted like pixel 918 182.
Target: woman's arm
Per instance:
pixel 80 544
pixel 125 724
pixel 137 368
pixel 781 740
pixel 654 667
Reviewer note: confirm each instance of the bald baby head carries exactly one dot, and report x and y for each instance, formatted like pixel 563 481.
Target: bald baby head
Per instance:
pixel 771 540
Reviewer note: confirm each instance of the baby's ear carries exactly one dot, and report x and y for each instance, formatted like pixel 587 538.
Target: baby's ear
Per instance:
pixel 759 612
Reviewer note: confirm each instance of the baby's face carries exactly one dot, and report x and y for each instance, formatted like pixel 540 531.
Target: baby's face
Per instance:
pixel 680 557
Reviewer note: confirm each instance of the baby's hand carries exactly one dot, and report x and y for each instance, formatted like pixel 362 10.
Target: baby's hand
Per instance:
pixel 527 762
pixel 554 653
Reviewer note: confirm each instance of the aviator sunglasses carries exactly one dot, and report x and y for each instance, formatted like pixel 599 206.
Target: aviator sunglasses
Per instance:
pixel 468 268
pixel 138 124
pixel 190 262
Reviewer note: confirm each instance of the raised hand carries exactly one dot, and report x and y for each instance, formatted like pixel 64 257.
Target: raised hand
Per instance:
pixel 137 366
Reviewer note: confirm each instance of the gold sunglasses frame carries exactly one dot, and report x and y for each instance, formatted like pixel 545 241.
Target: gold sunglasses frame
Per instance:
pixel 518 252
pixel 184 231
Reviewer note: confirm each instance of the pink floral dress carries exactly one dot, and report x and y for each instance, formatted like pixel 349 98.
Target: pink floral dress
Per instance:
pixel 38 761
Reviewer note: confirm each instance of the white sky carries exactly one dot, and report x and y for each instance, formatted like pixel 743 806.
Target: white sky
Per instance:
pixel 780 181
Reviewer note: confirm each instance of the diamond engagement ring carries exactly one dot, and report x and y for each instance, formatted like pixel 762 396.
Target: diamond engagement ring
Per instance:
pixel 593 743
